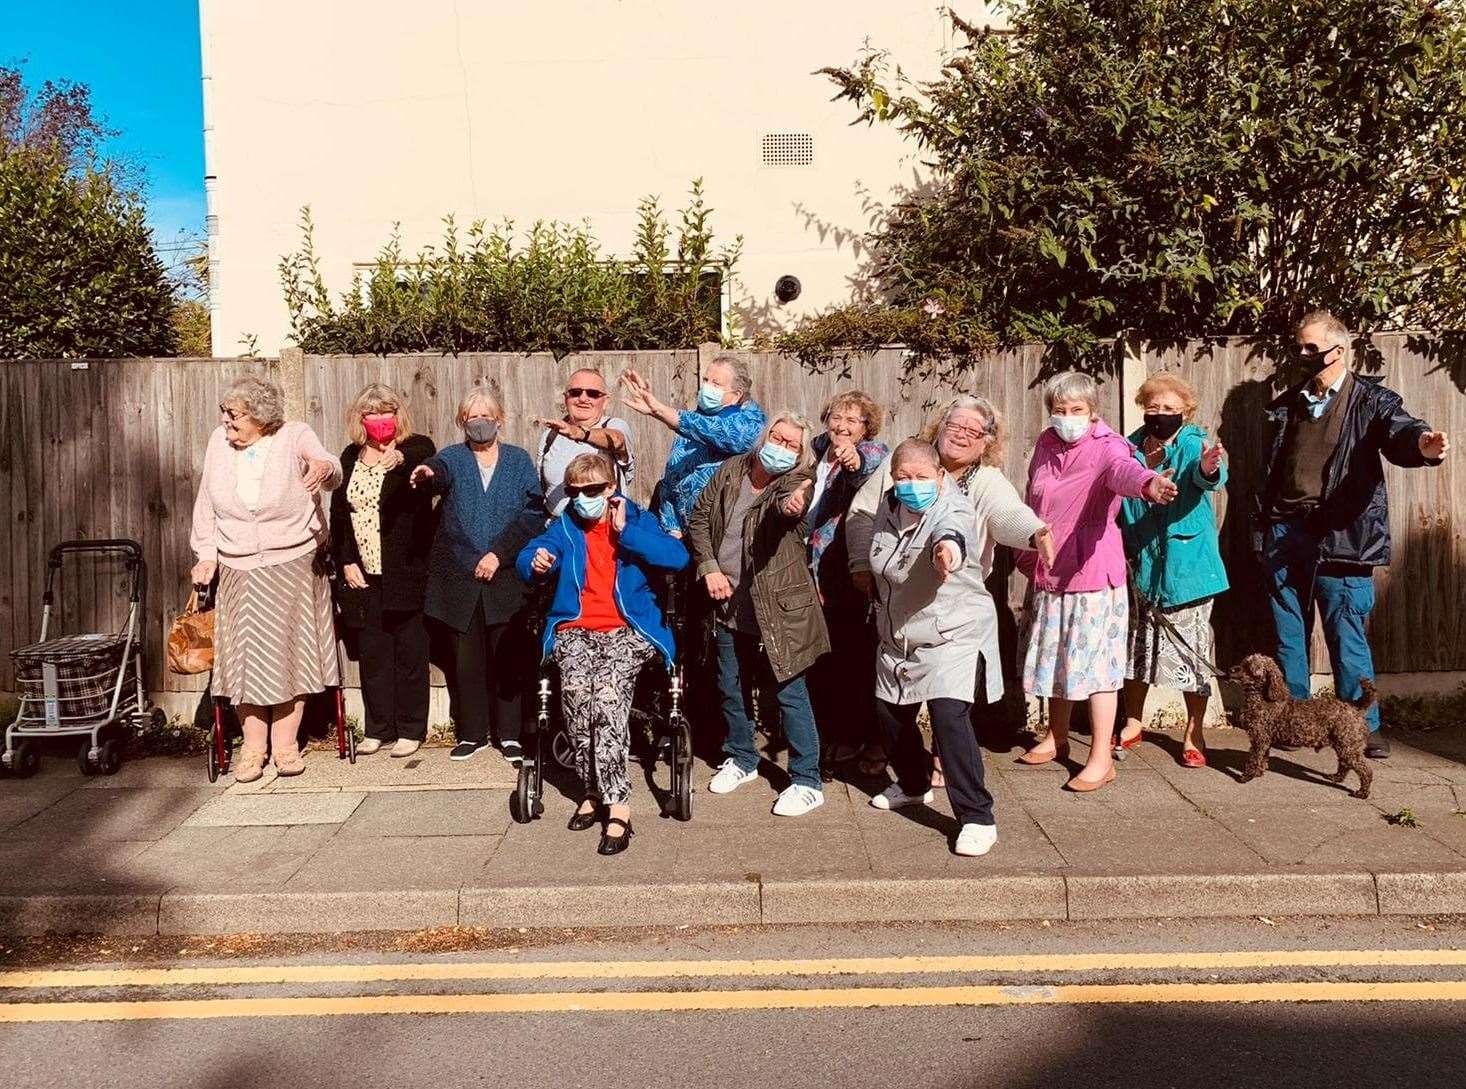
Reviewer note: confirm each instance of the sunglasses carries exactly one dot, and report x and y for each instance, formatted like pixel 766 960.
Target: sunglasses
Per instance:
pixel 591 490
pixel 593 394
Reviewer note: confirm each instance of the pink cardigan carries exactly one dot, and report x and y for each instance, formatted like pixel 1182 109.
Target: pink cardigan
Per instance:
pixel 1076 489
pixel 289 523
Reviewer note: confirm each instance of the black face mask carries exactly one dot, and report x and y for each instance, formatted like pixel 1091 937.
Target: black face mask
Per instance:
pixel 1313 362
pixel 1162 425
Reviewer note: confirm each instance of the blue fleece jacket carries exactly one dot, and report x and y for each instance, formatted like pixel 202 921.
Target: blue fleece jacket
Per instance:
pixel 641 546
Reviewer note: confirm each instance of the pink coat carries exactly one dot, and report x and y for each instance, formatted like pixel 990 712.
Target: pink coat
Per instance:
pixel 1076 489
pixel 289 522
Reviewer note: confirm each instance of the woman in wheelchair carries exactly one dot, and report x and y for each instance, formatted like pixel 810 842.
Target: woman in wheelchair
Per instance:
pixel 603 625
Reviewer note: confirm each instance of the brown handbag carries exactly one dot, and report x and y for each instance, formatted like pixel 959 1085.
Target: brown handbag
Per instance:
pixel 191 639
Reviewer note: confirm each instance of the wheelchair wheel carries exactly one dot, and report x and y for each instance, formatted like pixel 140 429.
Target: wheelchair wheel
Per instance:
pixel 563 750
pixel 681 801
pixel 211 759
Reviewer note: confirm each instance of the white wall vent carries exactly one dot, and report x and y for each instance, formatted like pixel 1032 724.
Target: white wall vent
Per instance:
pixel 788 149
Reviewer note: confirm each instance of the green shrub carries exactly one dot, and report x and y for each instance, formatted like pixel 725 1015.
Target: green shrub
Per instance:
pixel 551 289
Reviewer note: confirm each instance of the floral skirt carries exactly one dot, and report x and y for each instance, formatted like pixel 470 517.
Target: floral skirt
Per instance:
pixel 1076 643
pixel 1158 658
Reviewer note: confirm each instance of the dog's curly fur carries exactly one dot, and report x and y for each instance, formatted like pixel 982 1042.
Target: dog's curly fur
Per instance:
pixel 1272 717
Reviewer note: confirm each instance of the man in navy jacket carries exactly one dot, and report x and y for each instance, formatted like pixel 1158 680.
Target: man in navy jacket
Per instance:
pixel 1321 523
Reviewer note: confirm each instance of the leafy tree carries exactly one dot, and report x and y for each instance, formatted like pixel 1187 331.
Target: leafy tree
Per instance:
pixel 76 257
pixel 1180 168
pixel 551 289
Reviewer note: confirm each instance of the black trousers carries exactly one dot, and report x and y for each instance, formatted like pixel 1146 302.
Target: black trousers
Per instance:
pixel 961 758
pixel 393 654
pixel 491 666
pixel 842 685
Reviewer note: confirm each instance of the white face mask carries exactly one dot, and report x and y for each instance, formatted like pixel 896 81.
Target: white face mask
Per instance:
pixel 1070 428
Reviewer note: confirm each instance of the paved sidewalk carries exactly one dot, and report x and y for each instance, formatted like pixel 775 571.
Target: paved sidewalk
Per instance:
pixel 405 844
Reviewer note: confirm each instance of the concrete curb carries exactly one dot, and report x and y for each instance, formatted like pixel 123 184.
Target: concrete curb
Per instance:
pixel 991 898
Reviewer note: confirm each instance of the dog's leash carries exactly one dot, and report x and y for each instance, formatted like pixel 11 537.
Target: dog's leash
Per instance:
pixel 1164 622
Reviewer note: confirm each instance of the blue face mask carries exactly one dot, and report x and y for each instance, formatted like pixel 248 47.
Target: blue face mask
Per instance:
pixel 709 398
pixel 589 506
pixel 776 459
pixel 916 495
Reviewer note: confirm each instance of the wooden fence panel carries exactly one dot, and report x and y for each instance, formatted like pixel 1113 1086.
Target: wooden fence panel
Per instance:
pixel 1417 623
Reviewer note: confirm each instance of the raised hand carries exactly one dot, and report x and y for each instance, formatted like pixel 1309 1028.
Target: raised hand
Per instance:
pixel 562 427
pixel 1434 445
pixel 1162 489
pixel 618 512
pixel 486 568
pixel 946 558
pixel 1212 458
pixel 420 476
pixel 391 456
pixel 795 501
pixel 543 560
pixel 315 473
pixel 848 457
pixel 719 588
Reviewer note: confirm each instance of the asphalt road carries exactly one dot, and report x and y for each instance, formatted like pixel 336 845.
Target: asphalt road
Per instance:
pixel 1229 1003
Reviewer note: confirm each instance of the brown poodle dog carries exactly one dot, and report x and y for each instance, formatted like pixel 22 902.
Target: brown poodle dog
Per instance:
pixel 1272 717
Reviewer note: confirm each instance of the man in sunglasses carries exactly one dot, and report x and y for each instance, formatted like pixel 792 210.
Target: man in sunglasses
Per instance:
pixel 584 429
pixel 1322 520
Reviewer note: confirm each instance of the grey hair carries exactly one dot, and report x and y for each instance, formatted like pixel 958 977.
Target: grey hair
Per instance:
pixel 1071 386
pixel 996 451
pixel 1337 331
pixel 261 400
pixel 790 416
pixel 742 379
pixel 915 449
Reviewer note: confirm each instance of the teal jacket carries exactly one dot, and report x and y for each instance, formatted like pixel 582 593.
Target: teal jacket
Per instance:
pixel 1173 549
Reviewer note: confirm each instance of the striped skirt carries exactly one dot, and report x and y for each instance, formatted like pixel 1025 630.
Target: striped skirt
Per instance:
pixel 274 640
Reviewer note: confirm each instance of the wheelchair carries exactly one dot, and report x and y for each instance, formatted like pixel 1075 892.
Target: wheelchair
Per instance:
pixel 661 704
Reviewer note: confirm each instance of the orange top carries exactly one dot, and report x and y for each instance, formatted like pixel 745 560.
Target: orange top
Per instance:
pixel 598 611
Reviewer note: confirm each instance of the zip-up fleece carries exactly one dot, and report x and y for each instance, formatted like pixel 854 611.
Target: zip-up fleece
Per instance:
pixel 641 546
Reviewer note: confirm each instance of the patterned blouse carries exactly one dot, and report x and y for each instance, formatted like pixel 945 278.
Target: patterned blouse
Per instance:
pixel 364 495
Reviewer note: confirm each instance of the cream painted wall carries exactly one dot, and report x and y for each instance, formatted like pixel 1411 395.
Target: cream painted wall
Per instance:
pixel 374 112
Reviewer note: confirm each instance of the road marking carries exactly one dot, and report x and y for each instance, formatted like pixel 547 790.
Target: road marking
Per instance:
pixel 683 1001
pixel 226 975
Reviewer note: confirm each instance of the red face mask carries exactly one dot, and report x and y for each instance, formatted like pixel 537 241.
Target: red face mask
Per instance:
pixel 380 428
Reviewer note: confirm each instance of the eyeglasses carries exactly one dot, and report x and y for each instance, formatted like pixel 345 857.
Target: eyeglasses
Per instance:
pixel 234 414
pixel 852 420
pixel 578 391
pixel 968 433
pixel 589 490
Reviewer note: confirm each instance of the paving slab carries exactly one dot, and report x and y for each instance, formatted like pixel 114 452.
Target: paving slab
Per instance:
pixel 429 813
pixel 426 769
pixel 1292 834
pixel 1149 845
pixel 344 865
pixel 131 813
pixel 242 811
pixel 37 866
pixel 20 801
pixel 221 859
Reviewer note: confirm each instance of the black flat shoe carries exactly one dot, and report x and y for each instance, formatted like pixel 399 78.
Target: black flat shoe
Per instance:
pixel 614 845
pixel 581 821
pixel 1378 747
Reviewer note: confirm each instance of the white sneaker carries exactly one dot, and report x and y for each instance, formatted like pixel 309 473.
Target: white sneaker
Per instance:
pixel 893 797
pixel 729 777
pixel 367 745
pixel 976 839
pixel 796 801
pixel 405 747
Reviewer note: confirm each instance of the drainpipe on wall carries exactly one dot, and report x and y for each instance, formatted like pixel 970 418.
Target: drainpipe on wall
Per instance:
pixel 211 211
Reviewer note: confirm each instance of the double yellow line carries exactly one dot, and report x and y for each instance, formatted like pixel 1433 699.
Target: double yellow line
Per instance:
pixel 862 997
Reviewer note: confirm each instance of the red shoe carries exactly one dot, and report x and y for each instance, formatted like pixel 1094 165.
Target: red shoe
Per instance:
pixel 1193 758
pixel 1123 745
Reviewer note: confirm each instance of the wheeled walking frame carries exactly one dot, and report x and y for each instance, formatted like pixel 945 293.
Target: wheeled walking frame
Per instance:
pixel 84 685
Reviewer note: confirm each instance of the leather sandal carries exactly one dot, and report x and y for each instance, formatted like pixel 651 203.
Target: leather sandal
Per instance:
pixel 614 845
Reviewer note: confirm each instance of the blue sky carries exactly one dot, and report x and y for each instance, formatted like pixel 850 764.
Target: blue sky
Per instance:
pixel 141 61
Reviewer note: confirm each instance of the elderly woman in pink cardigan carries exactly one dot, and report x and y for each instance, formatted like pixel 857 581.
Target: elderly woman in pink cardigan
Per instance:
pixel 258 523
pixel 1077 616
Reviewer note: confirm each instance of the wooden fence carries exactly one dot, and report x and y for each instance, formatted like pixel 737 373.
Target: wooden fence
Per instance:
pixel 114 447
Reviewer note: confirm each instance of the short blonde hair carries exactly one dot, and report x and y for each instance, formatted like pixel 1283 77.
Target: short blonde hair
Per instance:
pixel 996 452
pixel 1072 386
pixel 789 416
pixel 371 400
pixel 1166 382
pixel 861 402
pixel 262 401
pixel 479 395
pixel 590 468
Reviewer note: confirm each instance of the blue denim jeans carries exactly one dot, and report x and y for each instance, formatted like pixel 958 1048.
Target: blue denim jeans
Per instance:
pixel 739 663
pixel 1345 597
